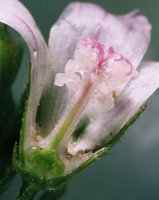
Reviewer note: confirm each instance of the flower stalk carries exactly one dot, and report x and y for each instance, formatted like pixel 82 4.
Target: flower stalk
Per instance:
pixel 28 190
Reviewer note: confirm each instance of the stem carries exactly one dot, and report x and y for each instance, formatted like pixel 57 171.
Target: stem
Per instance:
pixel 28 190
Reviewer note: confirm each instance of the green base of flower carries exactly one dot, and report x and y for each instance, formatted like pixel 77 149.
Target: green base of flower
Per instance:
pixel 38 172
pixel 44 162
pixel 45 159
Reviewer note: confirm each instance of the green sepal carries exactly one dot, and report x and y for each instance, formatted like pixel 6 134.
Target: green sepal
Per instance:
pixel 24 103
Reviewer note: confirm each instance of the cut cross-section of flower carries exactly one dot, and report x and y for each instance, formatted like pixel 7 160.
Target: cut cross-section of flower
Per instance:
pixel 85 85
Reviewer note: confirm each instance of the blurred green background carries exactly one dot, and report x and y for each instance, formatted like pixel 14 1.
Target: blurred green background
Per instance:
pixel 130 170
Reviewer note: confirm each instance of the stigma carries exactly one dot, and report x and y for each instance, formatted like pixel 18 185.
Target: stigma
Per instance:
pixel 103 69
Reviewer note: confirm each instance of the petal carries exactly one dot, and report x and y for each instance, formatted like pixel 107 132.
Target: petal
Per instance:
pixel 139 90
pixel 84 20
pixel 14 14
pixel 81 133
pixel 103 129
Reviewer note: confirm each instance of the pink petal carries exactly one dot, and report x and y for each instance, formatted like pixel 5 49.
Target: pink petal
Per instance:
pixel 85 20
pixel 128 34
pixel 14 14
pixel 138 91
pixel 126 106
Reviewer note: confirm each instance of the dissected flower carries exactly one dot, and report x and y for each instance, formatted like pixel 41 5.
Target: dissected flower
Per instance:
pixel 85 86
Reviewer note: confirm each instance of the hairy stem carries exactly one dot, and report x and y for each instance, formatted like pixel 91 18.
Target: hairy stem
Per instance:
pixel 28 190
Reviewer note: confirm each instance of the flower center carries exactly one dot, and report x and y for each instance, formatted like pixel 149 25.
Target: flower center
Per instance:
pixel 95 65
pixel 94 77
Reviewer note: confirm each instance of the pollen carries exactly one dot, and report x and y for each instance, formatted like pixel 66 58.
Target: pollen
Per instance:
pixel 114 95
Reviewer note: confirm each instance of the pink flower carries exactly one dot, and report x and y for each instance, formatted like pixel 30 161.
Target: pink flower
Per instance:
pixel 86 84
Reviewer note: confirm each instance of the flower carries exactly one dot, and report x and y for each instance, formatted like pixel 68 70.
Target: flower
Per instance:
pixel 86 85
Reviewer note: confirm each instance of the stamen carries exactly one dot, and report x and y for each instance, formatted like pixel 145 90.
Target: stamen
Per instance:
pixel 93 63
pixel 114 95
pixel 96 76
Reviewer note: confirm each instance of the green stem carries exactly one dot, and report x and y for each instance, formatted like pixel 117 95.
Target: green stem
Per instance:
pixel 28 190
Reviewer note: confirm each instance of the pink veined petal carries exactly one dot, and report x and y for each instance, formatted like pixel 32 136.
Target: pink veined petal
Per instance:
pixel 14 14
pixel 126 106
pixel 85 20
pixel 102 125
pixel 138 91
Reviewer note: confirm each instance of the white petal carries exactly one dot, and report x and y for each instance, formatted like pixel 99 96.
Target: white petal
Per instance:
pixel 14 14
pixel 129 34
pixel 139 90
pixel 84 20
pixel 127 105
